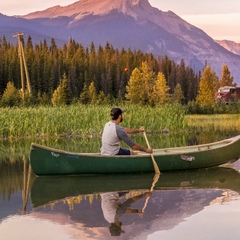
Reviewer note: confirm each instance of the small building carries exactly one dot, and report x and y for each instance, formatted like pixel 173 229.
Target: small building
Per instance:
pixel 227 94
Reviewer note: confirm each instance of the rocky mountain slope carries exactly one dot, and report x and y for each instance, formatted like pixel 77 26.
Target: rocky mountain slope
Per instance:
pixel 230 46
pixel 131 24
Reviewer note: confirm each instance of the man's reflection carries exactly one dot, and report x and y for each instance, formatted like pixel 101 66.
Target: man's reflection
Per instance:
pixel 112 209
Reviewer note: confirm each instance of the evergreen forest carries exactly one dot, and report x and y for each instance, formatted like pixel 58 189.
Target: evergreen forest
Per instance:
pixel 95 74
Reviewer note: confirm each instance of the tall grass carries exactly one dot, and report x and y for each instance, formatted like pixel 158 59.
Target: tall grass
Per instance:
pixel 156 119
pixel 84 120
pixel 217 122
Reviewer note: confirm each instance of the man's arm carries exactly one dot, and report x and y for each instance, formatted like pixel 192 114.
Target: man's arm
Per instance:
pixel 132 130
pixel 122 134
pixel 140 148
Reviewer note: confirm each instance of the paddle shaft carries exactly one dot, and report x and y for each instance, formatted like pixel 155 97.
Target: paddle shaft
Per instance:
pixel 155 179
pixel 153 160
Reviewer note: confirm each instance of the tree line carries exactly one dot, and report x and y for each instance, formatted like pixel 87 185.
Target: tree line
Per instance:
pixel 93 74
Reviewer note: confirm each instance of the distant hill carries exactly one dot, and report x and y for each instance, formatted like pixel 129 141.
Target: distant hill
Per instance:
pixel 131 24
pixel 230 46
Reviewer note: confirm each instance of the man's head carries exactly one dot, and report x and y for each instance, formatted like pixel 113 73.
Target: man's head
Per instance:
pixel 116 112
pixel 116 229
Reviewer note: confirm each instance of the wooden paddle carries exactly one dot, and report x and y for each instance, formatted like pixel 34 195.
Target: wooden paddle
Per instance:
pixel 157 171
pixel 155 179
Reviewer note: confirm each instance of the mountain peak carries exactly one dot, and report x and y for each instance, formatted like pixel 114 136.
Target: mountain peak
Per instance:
pixel 82 8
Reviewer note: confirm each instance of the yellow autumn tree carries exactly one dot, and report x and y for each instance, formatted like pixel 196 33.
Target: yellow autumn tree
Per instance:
pixel 85 96
pixel 208 86
pixel 61 95
pixel 92 93
pixel 101 98
pixel 160 93
pixel 226 79
pixel 89 94
pixel 140 86
pixel 177 96
pixel 11 96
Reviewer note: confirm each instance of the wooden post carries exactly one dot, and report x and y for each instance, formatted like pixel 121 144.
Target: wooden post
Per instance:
pixel 26 71
pixel 23 64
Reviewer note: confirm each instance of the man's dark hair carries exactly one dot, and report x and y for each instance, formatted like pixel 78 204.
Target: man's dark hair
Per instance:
pixel 115 112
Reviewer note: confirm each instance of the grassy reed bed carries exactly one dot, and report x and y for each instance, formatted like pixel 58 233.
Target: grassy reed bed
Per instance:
pixel 217 122
pixel 84 120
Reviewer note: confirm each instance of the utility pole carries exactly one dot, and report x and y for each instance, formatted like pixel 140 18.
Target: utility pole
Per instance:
pixel 23 64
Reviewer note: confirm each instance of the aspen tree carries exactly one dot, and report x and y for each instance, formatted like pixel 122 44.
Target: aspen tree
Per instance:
pixel 226 79
pixel 208 86
pixel 61 95
pixel 177 96
pixel 11 96
pixel 140 85
pixel 160 94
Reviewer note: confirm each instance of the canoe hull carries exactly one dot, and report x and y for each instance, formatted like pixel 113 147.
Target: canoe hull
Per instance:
pixel 49 161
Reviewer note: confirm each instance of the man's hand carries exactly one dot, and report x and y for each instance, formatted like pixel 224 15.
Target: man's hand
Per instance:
pixel 141 129
pixel 149 150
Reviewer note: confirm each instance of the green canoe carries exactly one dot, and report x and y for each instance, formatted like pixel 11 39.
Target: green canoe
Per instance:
pixel 49 161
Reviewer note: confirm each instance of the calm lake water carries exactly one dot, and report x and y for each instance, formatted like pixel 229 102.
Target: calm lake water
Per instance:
pixel 203 204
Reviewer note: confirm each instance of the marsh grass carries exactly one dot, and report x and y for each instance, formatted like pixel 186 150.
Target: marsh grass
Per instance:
pixel 88 121
pixel 213 123
pixel 85 120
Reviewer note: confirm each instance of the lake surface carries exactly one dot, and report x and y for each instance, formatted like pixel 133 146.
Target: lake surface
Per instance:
pixel 203 204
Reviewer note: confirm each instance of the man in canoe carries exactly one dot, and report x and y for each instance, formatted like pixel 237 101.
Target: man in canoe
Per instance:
pixel 113 134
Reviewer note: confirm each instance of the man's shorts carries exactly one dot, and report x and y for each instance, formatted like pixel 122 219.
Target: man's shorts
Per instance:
pixel 124 151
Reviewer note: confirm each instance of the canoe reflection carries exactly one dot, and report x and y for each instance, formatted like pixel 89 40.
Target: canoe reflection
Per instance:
pixel 124 205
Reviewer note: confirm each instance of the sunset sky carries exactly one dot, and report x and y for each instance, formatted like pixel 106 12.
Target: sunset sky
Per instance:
pixel 219 19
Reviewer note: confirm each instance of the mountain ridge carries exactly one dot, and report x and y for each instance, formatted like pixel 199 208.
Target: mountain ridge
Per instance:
pixel 230 46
